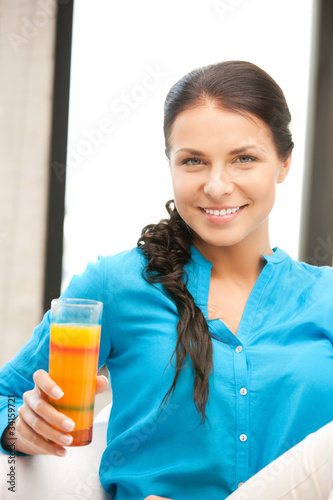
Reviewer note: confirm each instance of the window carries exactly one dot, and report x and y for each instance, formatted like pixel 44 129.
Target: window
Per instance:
pixel 125 57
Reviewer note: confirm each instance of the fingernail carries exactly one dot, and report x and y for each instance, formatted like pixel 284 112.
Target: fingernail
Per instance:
pixel 57 393
pixel 66 439
pixel 68 424
pixel 61 452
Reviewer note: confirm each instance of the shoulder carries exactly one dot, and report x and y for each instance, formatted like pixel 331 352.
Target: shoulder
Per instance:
pixel 125 269
pixel 124 279
pixel 311 277
pixel 129 261
pixel 311 271
pixel 123 266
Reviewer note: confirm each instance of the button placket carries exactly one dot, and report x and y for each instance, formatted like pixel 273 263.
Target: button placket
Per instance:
pixel 242 415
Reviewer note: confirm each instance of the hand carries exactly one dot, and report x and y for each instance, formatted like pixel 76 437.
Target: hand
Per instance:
pixel 154 497
pixel 33 426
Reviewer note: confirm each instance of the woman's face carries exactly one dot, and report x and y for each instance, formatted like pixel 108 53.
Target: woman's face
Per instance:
pixel 224 169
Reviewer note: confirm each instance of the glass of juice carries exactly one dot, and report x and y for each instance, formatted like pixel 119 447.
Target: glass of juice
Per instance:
pixel 74 350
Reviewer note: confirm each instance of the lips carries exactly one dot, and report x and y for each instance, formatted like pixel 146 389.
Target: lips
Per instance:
pixel 222 215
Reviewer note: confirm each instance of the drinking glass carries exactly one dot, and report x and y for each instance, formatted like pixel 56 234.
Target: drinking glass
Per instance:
pixel 74 349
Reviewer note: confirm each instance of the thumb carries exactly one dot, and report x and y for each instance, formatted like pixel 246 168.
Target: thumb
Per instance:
pixel 101 383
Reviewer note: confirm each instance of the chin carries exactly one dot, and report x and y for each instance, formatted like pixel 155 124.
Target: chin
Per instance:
pixel 215 242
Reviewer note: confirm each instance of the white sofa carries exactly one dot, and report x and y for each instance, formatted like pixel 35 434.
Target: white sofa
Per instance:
pixel 305 472
pixel 47 477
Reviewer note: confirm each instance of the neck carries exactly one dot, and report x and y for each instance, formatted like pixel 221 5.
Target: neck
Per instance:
pixel 240 263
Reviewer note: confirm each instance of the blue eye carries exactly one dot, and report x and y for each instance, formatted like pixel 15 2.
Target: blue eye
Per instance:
pixel 192 161
pixel 245 158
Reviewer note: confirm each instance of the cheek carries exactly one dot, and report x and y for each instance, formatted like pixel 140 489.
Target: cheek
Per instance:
pixel 261 188
pixel 183 189
pixel 184 198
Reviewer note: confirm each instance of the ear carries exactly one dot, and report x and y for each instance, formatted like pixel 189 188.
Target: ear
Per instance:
pixel 284 170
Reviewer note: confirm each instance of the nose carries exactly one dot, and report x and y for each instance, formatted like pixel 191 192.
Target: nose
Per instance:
pixel 217 185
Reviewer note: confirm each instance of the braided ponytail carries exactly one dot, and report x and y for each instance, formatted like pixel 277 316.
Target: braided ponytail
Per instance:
pixel 166 246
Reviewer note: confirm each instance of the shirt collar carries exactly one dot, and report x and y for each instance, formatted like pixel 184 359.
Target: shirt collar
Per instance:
pixel 277 256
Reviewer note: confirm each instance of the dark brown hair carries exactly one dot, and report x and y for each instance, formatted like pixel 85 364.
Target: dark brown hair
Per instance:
pixel 237 86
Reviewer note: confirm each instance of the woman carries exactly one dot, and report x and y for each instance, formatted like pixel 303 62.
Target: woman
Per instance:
pixel 208 333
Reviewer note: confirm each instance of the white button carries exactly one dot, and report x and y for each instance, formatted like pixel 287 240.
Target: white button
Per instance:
pixel 243 437
pixel 240 484
pixel 239 348
pixel 243 391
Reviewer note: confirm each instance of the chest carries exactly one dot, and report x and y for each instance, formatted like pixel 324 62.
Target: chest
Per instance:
pixel 227 305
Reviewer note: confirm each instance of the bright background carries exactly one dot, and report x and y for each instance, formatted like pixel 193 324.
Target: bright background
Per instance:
pixel 125 58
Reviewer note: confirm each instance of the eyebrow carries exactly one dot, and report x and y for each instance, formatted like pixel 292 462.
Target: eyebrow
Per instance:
pixel 244 148
pixel 192 151
pixel 233 152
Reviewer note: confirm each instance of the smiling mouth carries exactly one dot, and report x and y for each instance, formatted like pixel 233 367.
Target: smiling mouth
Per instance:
pixel 223 211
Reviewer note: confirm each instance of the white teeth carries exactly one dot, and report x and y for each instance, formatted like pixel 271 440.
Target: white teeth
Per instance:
pixel 222 212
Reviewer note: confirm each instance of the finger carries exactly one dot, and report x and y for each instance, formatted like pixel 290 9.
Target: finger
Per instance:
pixel 33 444
pixel 101 383
pixel 44 382
pixel 42 428
pixel 154 497
pixel 45 410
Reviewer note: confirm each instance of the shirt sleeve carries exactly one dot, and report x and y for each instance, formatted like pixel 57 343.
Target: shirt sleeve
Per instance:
pixel 16 376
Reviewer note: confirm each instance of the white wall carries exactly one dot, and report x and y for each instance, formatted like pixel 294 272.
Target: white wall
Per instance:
pixel 27 32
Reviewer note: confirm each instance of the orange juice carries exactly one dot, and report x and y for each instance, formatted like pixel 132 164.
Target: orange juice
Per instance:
pixel 73 366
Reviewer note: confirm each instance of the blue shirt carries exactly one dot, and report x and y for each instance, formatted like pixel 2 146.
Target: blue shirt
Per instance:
pixel 271 385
